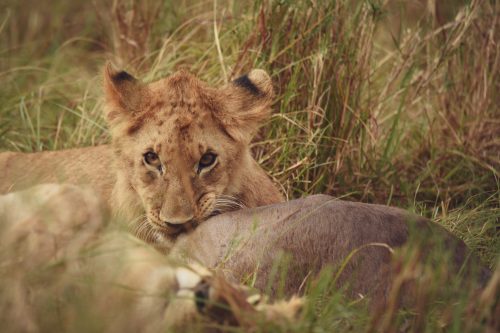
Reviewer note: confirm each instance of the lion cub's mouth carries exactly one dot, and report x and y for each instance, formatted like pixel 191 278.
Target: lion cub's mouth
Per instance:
pixel 173 230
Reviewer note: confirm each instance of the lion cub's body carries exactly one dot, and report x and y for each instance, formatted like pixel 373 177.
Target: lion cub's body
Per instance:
pixel 79 166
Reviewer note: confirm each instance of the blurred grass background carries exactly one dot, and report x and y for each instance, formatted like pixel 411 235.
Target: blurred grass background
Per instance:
pixel 387 101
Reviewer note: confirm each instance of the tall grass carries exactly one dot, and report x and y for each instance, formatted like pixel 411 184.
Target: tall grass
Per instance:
pixel 376 101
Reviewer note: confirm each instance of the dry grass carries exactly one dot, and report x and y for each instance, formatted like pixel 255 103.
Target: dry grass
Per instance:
pixel 376 101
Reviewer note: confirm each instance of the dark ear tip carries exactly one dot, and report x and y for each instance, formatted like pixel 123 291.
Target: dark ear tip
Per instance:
pixel 123 76
pixel 244 82
pixel 257 82
pixel 117 76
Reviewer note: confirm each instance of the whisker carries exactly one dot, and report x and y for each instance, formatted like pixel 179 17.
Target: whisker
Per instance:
pixel 141 228
pixel 135 226
pixel 146 233
pixel 225 203
pixel 134 221
pixel 230 200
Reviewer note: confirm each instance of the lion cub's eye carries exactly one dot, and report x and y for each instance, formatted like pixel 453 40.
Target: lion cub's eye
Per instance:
pixel 152 159
pixel 206 160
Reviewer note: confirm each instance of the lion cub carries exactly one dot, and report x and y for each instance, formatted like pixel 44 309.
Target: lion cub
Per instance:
pixel 179 154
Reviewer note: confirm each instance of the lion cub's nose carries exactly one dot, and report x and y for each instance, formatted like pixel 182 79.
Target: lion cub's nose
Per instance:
pixel 177 210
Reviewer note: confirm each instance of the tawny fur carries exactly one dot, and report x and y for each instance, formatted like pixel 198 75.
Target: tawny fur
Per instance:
pixel 179 118
pixel 91 166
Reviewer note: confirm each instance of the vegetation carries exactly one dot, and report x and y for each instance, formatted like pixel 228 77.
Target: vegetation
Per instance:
pixel 377 101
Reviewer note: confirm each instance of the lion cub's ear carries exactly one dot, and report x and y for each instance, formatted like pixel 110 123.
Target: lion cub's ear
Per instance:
pixel 123 94
pixel 248 104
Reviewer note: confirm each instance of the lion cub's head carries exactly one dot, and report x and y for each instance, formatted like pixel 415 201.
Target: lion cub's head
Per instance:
pixel 182 147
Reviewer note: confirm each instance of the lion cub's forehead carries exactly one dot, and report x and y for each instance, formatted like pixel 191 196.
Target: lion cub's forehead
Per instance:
pixel 174 144
pixel 183 89
pixel 184 135
pixel 177 102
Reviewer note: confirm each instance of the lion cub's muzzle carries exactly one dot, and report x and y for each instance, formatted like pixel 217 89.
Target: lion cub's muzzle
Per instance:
pixel 186 226
pixel 178 216
pixel 173 230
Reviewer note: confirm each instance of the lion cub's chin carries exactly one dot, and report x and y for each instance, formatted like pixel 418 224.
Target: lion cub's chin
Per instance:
pixel 167 230
pixel 171 230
